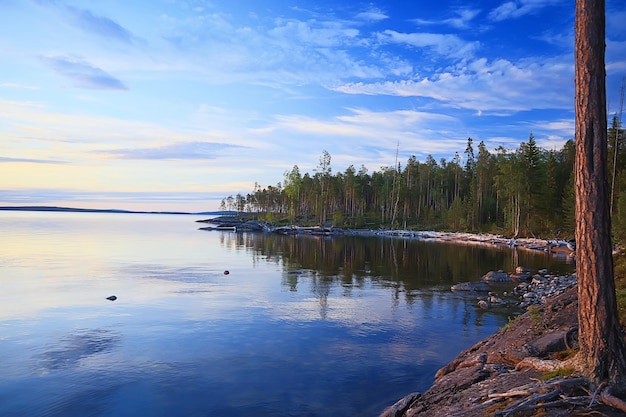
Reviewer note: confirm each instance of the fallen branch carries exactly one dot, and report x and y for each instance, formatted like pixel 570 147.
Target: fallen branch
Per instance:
pixel 528 403
pixel 509 394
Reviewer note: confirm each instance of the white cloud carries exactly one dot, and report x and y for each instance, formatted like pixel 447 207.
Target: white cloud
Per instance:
pixel 483 85
pixel 442 44
pixel 83 74
pixel 461 21
pixel 372 15
pixel 179 150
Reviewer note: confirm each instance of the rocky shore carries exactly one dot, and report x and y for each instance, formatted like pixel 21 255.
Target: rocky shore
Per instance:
pixel 520 370
pixel 521 288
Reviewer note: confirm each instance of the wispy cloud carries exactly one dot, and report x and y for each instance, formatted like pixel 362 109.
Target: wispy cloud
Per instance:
pixel 443 44
pixel 484 85
pixel 4 159
pixel 518 8
pixel 416 130
pixel 88 22
pixel 18 86
pixel 99 25
pixel 460 21
pixel 181 150
pixel 373 14
pixel 83 74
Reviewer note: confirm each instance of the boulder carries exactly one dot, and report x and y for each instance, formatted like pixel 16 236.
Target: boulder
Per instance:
pixel 552 342
pixel 520 277
pixel 499 276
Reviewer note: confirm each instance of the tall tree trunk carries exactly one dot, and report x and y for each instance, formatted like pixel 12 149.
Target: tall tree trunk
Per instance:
pixel 602 354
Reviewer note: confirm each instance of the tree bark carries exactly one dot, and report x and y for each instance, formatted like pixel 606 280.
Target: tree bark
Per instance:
pixel 602 351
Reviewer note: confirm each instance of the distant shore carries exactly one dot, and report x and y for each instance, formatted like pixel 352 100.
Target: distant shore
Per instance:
pixel 88 210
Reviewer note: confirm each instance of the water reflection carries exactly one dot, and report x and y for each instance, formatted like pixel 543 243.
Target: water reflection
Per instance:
pixel 301 326
pixel 72 349
pixel 407 266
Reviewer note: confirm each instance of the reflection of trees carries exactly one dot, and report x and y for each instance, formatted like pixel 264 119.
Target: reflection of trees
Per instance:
pixel 406 266
pixel 418 273
pixel 321 286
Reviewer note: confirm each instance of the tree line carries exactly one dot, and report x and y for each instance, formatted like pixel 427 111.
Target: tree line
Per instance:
pixel 528 191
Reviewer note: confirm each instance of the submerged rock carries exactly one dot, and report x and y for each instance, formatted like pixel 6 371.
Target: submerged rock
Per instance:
pixel 478 286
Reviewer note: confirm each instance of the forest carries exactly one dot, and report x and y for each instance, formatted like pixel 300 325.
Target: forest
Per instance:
pixel 523 192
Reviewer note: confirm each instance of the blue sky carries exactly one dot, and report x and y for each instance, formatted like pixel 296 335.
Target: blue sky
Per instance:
pixel 175 104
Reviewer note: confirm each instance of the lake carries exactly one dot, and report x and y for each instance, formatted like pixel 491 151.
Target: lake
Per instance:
pixel 299 327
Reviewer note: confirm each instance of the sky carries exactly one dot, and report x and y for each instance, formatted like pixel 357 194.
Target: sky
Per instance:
pixel 176 104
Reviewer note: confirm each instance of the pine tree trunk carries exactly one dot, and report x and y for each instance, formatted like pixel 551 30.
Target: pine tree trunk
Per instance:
pixel 602 351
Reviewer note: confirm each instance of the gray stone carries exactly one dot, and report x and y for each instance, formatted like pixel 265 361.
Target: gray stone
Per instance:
pixel 499 276
pixel 551 342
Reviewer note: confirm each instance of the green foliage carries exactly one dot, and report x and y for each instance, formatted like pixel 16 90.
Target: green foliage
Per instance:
pixel 536 320
pixel 508 324
pixel 619 219
pixel 522 192
pixel 620 285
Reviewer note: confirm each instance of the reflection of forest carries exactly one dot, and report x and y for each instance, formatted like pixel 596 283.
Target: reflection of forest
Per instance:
pixel 349 261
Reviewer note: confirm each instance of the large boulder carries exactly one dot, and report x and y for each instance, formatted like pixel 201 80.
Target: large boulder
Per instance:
pixel 499 276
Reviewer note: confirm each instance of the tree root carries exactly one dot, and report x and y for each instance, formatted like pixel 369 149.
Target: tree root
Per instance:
pixel 609 399
pixel 606 394
pixel 555 394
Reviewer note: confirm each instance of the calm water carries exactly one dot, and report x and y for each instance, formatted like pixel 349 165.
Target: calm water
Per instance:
pixel 300 327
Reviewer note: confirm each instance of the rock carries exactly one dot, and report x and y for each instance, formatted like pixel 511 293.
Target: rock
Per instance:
pixel 480 359
pixel 495 300
pixel 499 276
pixel 112 298
pixel 552 342
pixel 226 272
pixel 522 270
pixel 478 286
pixel 520 277
pixel 399 408
pixel 537 280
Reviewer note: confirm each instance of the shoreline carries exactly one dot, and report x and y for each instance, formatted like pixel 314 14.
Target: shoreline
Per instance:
pixel 233 224
pixel 558 247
